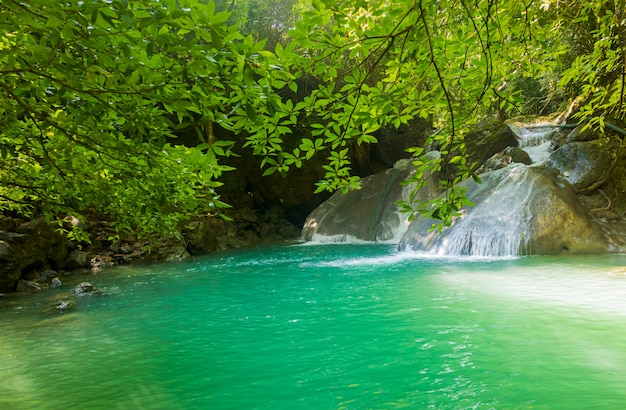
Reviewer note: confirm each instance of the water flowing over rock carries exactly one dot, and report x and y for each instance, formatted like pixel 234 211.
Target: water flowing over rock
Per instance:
pixel 543 193
pixel 519 211
pixel 370 213
pixel 535 140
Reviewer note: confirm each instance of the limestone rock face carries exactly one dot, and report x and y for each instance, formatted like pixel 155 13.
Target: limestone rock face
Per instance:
pixel 518 211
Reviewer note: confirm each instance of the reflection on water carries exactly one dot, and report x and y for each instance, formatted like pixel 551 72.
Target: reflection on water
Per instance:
pixel 350 326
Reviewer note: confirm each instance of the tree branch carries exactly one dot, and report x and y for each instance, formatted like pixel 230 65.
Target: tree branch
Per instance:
pixel 442 82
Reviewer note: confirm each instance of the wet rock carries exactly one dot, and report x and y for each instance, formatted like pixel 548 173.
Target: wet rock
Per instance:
pixel 101 261
pixel 518 211
pixel 579 134
pixel 509 156
pixel 201 236
pixel 586 164
pixel 5 250
pixel 47 275
pixel 64 305
pixel 55 283
pixel 85 289
pixel 248 215
pixel 8 223
pixel 27 286
pixel 166 248
pixel 35 246
pixel 488 138
pixel 77 259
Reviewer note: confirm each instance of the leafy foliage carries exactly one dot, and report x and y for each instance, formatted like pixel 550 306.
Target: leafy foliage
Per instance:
pixel 94 92
pixel 599 74
pixel 385 63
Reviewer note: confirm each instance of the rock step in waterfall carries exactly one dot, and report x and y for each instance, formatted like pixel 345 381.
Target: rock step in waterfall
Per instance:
pixel 540 194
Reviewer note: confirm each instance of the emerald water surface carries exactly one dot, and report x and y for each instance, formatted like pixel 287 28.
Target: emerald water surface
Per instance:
pixel 325 327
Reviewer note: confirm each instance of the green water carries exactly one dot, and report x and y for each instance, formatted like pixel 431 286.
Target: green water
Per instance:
pixel 325 327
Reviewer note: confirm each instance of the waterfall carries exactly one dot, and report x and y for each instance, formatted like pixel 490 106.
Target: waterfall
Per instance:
pixel 518 210
pixel 498 225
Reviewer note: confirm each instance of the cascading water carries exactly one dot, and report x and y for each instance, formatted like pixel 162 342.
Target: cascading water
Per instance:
pixel 535 139
pixel 499 223
pixel 497 226
pixel 518 210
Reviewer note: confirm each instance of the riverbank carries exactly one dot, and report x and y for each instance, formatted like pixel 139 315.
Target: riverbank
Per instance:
pixel 34 254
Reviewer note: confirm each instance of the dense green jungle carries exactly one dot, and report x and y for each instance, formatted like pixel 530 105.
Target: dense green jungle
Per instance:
pixel 160 129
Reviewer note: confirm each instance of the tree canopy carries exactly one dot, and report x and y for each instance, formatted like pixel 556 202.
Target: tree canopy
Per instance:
pixel 96 93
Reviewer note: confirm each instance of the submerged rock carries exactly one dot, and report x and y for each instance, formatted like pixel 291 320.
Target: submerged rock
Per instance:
pixel 64 305
pixel 27 286
pixel 55 283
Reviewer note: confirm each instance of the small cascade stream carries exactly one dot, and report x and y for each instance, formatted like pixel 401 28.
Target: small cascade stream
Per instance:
pixel 535 139
pixel 518 210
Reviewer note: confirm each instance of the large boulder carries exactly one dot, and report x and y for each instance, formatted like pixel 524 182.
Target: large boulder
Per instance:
pixel 517 210
pixel 369 213
pixel 586 164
